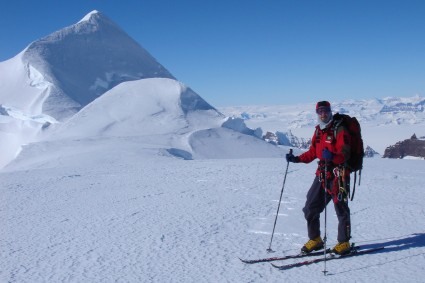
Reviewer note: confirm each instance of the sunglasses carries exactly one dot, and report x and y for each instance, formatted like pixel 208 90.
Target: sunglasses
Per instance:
pixel 323 110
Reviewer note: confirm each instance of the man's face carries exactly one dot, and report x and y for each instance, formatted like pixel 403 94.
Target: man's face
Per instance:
pixel 324 114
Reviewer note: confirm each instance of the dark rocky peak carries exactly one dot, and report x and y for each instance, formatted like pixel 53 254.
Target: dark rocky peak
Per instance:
pixel 411 147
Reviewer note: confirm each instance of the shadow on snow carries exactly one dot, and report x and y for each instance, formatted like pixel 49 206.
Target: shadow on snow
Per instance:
pixel 416 240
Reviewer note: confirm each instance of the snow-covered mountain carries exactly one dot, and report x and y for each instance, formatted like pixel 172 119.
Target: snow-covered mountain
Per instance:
pixel 56 76
pixel 384 121
pixel 54 90
pixel 69 68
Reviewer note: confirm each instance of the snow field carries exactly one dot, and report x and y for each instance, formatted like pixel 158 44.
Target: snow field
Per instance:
pixel 152 218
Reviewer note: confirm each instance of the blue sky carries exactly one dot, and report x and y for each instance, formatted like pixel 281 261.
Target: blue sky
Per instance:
pixel 256 52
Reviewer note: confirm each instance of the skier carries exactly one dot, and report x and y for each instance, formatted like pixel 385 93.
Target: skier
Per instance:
pixel 331 146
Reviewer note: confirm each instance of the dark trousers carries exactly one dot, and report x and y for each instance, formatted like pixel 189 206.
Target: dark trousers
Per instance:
pixel 315 204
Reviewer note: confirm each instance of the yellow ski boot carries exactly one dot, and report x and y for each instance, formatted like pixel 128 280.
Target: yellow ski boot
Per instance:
pixel 312 245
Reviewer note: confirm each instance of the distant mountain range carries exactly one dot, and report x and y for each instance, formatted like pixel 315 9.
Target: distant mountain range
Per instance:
pixel 384 121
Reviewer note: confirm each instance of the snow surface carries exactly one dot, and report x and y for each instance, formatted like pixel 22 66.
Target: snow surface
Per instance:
pixel 114 209
pixel 144 185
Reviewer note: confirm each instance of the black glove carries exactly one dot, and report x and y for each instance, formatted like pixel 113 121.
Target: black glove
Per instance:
pixel 291 158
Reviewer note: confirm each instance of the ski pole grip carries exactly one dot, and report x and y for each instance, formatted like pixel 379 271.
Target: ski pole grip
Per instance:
pixel 290 153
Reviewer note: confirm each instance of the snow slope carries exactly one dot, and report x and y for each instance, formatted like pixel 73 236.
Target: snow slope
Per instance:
pixel 143 107
pixel 111 209
pixel 163 115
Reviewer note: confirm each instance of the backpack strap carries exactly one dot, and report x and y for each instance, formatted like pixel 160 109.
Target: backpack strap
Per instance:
pixel 317 135
pixel 354 187
pixel 336 125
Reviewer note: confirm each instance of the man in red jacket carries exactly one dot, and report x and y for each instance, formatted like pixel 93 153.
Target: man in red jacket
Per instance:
pixel 331 146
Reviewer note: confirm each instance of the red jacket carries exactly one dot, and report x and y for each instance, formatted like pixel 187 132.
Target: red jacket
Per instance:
pixel 337 143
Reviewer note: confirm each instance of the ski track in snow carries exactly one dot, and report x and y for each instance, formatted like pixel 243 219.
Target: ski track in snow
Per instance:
pixel 169 220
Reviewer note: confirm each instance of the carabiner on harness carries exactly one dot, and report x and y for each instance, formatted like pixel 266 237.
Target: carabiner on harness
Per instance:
pixel 339 173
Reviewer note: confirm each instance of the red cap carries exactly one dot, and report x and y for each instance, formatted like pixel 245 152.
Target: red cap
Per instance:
pixel 323 105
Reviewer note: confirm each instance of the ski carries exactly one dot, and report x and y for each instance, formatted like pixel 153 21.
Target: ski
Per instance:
pixel 330 257
pixel 267 259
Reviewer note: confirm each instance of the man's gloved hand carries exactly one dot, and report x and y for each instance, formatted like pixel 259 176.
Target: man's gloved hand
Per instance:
pixel 291 158
pixel 327 155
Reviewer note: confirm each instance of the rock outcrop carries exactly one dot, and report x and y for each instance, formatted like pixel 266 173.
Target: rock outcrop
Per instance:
pixel 410 147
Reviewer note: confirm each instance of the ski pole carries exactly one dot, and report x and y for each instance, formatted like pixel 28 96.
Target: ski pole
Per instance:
pixel 278 206
pixel 326 216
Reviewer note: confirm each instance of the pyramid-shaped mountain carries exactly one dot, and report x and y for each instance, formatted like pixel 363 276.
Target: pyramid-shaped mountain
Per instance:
pixel 73 66
pixel 91 81
pixel 57 76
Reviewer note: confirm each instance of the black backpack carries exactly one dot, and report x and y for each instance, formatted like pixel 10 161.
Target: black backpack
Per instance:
pixel 355 162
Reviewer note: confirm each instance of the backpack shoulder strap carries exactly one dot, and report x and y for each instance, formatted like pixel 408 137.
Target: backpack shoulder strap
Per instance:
pixel 338 119
pixel 317 135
